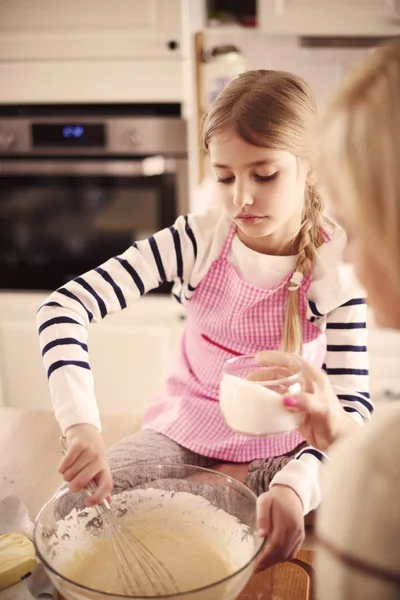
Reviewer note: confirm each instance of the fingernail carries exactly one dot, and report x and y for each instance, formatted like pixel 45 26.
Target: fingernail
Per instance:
pixel 290 401
pixel 261 532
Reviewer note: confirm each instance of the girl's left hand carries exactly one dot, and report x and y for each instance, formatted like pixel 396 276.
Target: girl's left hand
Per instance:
pixel 280 518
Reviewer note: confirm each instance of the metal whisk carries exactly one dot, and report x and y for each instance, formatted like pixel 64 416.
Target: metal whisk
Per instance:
pixel 139 570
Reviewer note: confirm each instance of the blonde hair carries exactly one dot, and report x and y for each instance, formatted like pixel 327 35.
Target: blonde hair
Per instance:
pixel 273 109
pixel 359 145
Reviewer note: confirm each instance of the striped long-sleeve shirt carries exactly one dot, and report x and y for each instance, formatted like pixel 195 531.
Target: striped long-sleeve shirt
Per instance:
pixel 183 253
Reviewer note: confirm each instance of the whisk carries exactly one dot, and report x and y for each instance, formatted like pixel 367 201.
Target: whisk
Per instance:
pixel 138 569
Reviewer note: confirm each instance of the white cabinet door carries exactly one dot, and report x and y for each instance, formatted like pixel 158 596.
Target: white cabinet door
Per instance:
pixel 130 353
pixel 24 383
pixel 329 17
pixel 70 29
pixel 384 356
pixel 130 359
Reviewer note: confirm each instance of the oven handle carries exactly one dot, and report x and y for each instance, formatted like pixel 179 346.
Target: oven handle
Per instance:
pixel 146 167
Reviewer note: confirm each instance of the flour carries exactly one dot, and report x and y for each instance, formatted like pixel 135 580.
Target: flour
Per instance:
pixel 198 543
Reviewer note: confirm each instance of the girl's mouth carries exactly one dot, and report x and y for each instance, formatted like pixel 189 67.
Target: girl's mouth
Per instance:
pixel 248 219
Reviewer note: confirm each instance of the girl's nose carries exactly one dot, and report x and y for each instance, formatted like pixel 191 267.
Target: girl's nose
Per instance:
pixel 242 198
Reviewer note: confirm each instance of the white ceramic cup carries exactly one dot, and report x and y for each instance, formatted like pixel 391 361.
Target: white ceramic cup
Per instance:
pixel 251 395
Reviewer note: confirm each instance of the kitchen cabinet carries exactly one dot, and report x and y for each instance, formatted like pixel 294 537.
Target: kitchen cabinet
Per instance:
pixel 91 29
pixel 130 353
pixel 91 81
pixel 97 51
pixel 329 17
pixel 384 354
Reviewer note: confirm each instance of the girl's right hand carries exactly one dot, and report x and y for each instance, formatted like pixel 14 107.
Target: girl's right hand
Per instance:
pixel 85 461
pixel 324 418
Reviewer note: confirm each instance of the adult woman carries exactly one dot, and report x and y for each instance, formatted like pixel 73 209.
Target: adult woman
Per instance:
pixel 358 159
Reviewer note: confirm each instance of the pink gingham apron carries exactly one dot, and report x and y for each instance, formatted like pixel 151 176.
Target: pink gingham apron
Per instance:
pixel 226 317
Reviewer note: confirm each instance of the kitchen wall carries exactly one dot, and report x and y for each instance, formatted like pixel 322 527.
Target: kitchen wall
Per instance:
pixel 321 67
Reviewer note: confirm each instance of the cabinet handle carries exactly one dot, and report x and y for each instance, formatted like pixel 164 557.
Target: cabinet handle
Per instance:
pixel 173 45
pixel 391 395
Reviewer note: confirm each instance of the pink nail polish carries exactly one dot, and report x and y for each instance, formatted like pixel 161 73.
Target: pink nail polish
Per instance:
pixel 290 401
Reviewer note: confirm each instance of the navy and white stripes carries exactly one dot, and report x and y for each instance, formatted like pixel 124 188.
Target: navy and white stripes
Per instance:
pixel 312 452
pixel 63 342
pixel 346 360
pixel 69 294
pixel 157 258
pixel 64 318
pixel 182 253
pixel 56 321
pixel 178 252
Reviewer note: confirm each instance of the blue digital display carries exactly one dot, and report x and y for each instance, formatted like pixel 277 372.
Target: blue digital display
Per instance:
pixel 79 135
pixel 73 131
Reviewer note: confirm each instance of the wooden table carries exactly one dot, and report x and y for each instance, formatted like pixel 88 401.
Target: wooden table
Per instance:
pixel 30 452
pixel 29 455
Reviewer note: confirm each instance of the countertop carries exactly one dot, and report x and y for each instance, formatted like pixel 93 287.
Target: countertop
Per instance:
pixel 30 452
pixel 29 455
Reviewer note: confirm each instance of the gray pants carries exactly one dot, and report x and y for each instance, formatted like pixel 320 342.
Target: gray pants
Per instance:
pixel 147 446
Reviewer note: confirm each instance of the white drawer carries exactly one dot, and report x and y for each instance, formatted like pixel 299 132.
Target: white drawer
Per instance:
pixel 384 388
pixel 381 343
pixel 384 366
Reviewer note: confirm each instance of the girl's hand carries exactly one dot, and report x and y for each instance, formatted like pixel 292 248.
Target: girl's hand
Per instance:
pixel 324 418
pixel 280 517
pixel 85 461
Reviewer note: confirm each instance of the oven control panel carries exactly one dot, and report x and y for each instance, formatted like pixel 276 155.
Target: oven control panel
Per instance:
pixel 141 136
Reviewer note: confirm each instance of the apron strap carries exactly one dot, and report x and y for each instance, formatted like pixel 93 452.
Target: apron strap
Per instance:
pixel 228 242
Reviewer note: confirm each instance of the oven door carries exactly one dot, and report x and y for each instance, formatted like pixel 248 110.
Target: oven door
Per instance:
pixel 62 217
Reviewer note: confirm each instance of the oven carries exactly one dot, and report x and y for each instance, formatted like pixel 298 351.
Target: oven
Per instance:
pixel 79 184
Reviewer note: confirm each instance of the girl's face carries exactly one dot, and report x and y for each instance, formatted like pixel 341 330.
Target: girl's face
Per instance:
pixel 262 191
pixel 370 268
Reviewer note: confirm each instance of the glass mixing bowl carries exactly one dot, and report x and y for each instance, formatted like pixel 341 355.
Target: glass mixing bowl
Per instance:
pixel 58 527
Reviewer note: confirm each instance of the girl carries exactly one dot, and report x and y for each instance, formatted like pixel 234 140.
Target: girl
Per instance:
pixel 259 271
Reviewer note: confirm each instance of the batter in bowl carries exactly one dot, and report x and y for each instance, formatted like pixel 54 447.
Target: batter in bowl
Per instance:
pixel 191 560
pixel 196 542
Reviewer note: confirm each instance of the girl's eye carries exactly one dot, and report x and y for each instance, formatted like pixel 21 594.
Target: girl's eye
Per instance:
pixel 225 180
pixel 265 178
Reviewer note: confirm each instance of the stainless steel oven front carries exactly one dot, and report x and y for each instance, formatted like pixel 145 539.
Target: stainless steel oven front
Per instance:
pixel 79 186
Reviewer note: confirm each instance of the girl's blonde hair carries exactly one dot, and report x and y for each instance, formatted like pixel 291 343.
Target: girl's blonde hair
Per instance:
pixel 359 146
pixel 274 109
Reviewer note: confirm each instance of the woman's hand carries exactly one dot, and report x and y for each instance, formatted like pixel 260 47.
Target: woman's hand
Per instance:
pixel 280 518
pixel 86 460
pixel 324 418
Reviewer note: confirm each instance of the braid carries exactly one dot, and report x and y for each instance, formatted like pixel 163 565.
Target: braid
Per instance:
pixel 310 238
